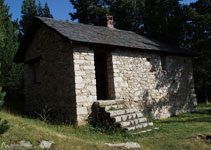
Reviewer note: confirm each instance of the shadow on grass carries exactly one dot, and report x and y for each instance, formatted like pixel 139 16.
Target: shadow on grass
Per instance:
pixel 192 120
pixel 204 112
pixel 203 115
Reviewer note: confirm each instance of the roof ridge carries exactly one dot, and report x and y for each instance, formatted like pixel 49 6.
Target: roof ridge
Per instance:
pixel 90 34
pixel 67 21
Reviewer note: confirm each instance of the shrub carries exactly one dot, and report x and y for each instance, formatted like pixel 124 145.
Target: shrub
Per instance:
pixel 3 124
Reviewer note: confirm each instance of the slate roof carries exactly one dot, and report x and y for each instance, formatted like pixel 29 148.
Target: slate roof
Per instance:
pixel 78 32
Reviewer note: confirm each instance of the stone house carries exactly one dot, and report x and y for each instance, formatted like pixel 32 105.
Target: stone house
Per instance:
pixel 71 66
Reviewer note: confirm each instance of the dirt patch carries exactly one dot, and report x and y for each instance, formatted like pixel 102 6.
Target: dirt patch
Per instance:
pixel 198 141
pixel 202 137
pixel 208 138
pixel 205 137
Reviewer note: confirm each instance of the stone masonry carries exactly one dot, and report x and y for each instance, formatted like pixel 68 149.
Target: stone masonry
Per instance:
pixel 157 85
pixel 85 82
pixel 141 79
pixel 56 89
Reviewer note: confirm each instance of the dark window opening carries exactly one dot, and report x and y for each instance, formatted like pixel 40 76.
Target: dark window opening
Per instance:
pixel 35 72
pixel 163 63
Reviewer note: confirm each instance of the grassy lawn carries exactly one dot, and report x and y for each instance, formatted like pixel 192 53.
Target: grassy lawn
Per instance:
pixel 186 131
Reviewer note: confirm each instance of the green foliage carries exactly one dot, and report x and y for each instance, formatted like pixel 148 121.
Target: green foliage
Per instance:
pixel 46 11
pixel 43 12
pixel 198 38
pixel 160 19
pixel 82 10
pixel 39 9
pixel 3 125
pixel 29 9
pixel 2 93
pixel 12 76
pixel 164 20
pixel 89 11
pixel 128 14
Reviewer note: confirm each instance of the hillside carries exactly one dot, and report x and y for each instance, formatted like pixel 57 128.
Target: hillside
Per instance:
pixel 186 131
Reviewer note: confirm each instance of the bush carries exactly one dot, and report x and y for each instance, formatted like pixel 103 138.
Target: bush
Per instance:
pixel 3 124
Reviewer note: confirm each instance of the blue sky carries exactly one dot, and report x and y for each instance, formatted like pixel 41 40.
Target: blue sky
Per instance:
pixel 59 8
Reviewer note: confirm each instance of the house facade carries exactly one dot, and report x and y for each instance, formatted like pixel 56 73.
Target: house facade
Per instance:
pixel 70 66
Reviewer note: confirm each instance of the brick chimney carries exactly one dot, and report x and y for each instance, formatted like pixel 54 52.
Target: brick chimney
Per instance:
pixel 108 21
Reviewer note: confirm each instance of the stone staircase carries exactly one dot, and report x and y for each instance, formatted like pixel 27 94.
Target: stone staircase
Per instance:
pixel 118 114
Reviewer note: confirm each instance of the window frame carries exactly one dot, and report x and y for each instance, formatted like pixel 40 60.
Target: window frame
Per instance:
pixel 34 66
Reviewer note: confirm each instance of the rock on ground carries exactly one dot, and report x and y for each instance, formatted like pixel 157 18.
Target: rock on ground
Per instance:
pixel 127 145
pixel 26 144
pixel 45 144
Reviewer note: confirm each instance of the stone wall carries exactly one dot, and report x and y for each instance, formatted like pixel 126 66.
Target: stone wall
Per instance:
pixel 159 86
pixel 56 89
pixel 110 74
pixel 85 82
pixel 140 80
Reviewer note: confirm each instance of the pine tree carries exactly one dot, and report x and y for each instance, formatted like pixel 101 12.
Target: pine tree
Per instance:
pixel 82 10
pixel 39 9
pixel 126 13
pixel 198 38
pixel 12 74
pixel 29 9
pixel 46 11
pixel 164 20
pixel 3 124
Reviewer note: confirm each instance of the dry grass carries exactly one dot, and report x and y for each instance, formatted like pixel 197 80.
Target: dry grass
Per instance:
pixel 187 131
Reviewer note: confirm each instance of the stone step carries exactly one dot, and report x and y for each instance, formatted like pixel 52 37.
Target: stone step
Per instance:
pixel 138 126
pixel 121 112
pixel 116 112
pixel 115 107
pixel 128 117
pixel 133 122
pixel 103 103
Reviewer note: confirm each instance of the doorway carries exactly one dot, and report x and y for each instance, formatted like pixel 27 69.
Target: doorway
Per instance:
pixel 101 75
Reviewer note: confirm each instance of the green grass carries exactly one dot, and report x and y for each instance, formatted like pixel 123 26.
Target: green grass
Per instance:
pixel 186 131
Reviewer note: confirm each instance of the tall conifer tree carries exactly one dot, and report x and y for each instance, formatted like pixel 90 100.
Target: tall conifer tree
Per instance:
pixel 198 38
pixel 46 11
pixel 163 20
pixel 39 9
pixel 82 10
pixel 29 9
pixel 11 73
